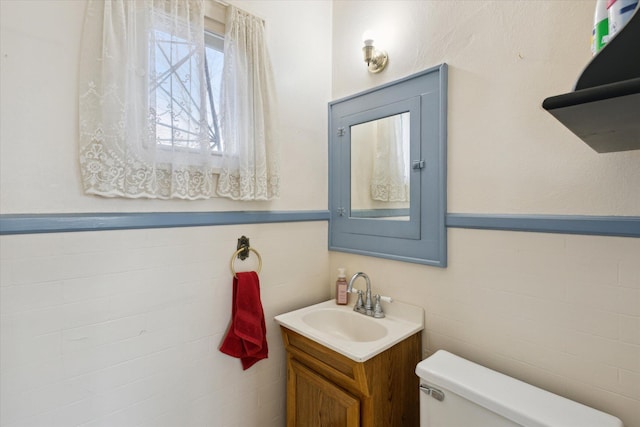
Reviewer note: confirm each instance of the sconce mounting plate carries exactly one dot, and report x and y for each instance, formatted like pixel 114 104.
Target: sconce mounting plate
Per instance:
pixel 378 61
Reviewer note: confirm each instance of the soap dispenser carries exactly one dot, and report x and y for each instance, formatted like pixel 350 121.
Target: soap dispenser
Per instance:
pixel 342 298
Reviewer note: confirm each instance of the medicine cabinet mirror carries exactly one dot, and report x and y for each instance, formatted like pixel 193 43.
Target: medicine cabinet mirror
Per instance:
pixel 387 170
pixel 380 186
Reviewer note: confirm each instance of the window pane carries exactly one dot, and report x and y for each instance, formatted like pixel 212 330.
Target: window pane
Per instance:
pixel 176 98
pixel 214 61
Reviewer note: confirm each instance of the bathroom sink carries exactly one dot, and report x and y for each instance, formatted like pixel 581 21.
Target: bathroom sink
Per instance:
pixel 352 334
pixel 346 325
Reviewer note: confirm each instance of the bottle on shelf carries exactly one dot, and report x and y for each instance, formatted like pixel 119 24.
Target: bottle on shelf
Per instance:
pixel 600 32
pixel 619 13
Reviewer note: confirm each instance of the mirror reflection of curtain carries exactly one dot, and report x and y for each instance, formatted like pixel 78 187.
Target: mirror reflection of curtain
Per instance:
pixel 390 178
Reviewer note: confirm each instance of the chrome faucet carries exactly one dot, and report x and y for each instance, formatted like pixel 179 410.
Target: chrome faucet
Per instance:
pixel 360 307
pixel 366 307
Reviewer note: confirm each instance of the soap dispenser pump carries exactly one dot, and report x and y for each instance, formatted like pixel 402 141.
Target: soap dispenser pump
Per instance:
pixel 342 298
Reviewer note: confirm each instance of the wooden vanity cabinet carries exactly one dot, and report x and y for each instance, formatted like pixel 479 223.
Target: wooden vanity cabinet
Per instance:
pixel 327 389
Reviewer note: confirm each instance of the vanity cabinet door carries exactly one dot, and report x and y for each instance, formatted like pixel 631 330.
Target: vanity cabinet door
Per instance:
pixel 313 401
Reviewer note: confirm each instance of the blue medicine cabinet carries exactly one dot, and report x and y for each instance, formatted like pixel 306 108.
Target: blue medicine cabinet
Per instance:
pixel 387 170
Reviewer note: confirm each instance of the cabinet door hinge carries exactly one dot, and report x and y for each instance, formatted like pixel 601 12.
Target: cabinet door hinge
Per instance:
pixel 418 164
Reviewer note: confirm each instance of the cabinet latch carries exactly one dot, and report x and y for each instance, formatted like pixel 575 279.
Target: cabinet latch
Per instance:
pixel 341 131
pixel 417 164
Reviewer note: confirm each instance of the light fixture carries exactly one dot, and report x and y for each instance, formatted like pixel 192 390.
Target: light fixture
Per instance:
pixel 376 59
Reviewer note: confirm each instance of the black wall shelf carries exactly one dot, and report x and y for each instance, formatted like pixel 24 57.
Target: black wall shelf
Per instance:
pixel 604 108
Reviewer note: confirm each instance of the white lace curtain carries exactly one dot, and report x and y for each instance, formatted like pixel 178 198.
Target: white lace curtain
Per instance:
pixel 144 128
pixel 390 177
pixel 250 166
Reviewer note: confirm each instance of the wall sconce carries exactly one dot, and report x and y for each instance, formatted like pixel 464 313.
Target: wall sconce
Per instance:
pixel 376 59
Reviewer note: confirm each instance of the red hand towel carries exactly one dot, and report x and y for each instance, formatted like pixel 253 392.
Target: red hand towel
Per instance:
pixel 246 337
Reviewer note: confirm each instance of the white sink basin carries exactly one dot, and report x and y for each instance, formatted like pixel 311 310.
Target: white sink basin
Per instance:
pixel 345 325
pixel 352 334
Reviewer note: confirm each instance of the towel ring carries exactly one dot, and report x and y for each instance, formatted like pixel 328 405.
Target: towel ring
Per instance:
pixel 236 253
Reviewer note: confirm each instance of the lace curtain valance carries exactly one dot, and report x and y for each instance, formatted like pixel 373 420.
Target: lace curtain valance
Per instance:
pixel 144 114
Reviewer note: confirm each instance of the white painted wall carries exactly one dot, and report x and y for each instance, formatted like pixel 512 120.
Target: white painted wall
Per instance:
pixel 506 154
pixel 122 328
pixel 561 312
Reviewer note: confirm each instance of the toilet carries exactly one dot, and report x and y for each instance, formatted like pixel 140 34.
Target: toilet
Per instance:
pixel 458 393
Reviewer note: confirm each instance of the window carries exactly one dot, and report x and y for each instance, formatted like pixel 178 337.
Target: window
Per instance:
pixel 176 98
pixel 150 96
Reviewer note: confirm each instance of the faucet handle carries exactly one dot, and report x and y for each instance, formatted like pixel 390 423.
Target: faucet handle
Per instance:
pixel 385 299
pixel 359 306
pixel 377 311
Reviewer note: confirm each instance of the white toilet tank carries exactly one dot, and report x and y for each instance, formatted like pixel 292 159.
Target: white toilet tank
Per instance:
pixel 475 396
